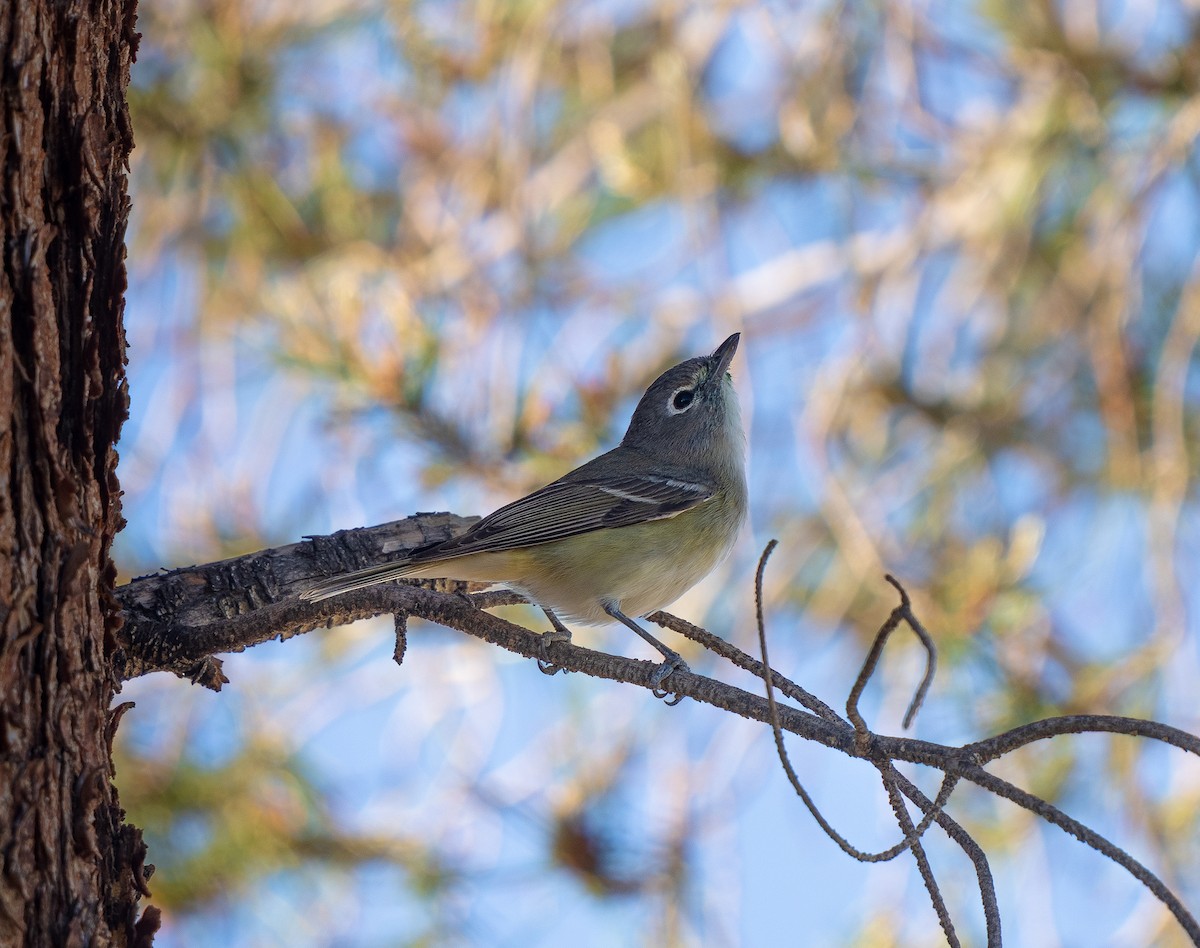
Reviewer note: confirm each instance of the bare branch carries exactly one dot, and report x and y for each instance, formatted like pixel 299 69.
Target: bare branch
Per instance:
pixel 733 654
pixel 913 834
pixel 901 612
pixel 179 621
pixel 974 852
pixel 1001 744
pixel 1051 814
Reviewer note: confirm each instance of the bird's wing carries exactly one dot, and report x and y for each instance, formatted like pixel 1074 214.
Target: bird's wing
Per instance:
pixel 569 507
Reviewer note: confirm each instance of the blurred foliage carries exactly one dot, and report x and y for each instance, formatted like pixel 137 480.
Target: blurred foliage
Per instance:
pixel 412 253
pixel 220 828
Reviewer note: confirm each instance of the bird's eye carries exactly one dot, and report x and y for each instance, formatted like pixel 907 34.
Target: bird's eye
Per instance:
pixel 682 400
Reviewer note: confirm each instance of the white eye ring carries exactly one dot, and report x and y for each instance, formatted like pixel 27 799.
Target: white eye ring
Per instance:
pixel 673 403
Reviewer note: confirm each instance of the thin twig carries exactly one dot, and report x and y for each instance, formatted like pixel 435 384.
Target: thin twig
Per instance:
pixel 400 623
pixel 911 834
pixel 901 612
pixel 914 833
pixel 736 656
pixel 893 780
pixel 973 851
pixel 1001 744
pixel 1085 834
pixel 914 623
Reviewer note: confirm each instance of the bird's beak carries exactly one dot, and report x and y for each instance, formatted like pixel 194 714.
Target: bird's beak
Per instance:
pixel 723 356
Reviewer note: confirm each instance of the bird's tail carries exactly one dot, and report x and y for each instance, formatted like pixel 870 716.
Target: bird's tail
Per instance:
pixel 371 576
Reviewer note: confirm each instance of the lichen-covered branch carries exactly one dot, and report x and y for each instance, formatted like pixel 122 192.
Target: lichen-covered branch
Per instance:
pixel 179 620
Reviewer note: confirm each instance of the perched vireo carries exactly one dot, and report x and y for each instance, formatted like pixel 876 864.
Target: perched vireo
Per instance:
pixel 625 534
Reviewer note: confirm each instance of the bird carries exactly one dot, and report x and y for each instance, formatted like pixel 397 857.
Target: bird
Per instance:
pixel 624 534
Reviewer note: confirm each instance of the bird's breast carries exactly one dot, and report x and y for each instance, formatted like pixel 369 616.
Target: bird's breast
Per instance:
pixel 641 568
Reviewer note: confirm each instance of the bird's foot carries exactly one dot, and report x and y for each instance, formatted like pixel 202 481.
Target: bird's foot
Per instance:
pixel 670 664
pixel 560 634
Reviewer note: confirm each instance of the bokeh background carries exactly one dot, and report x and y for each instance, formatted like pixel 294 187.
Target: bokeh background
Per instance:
pixel 399 256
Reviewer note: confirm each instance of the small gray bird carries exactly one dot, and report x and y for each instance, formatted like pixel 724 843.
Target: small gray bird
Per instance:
pixel 621 536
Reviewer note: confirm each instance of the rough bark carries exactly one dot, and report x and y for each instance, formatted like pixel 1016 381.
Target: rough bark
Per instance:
pixel 180 620
pixel 71 872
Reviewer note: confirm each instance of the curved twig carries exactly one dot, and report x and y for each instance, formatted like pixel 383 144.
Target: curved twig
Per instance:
pixel 973 851
pixel 902 612
pixel 911 834
pixel 914 833
pixel 1001 744
pixel 1085 834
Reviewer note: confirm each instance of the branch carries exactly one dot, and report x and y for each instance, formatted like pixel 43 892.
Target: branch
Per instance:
pixel 1085 834
pixel 902 613
pixel 983 871
pixel 912 836
pixel 179 621
pixel 1002 744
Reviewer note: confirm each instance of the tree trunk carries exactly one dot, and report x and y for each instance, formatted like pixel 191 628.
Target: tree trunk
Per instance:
pixel 71 872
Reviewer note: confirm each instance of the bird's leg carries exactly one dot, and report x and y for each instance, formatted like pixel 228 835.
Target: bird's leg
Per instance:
pixel 672 660
pixel 560 634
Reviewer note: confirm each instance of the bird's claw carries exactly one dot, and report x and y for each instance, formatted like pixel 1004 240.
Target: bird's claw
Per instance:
pixel 669 665
pixel 545 666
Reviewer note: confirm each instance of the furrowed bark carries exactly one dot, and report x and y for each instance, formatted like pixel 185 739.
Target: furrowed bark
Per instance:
pixel 72 872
